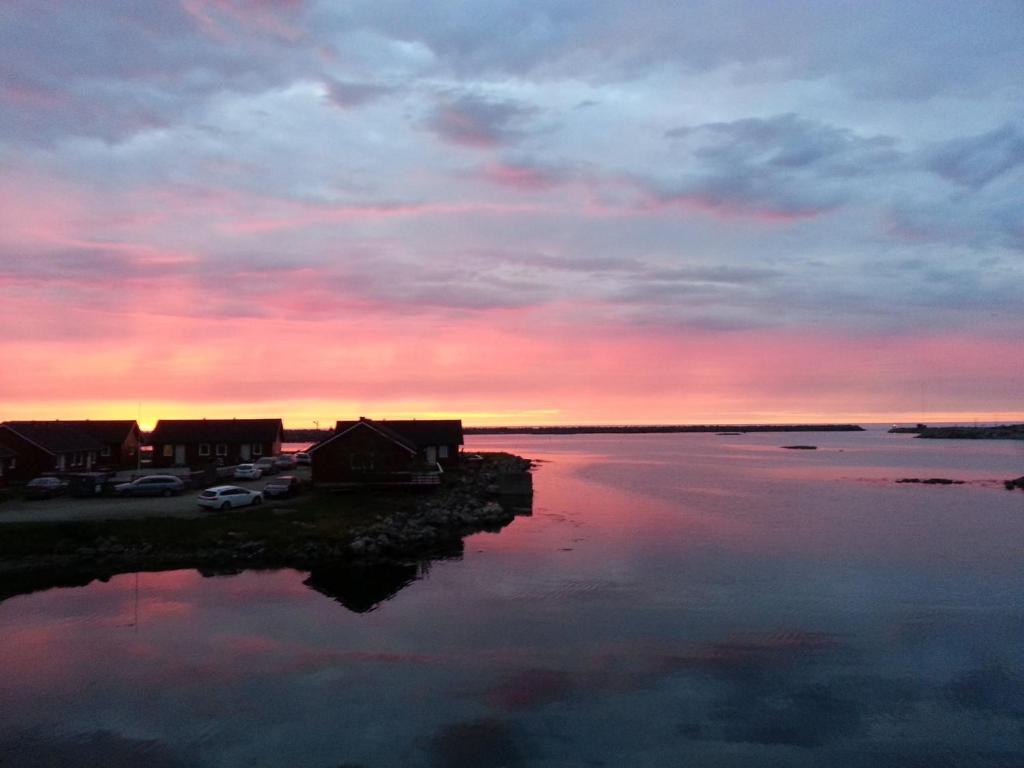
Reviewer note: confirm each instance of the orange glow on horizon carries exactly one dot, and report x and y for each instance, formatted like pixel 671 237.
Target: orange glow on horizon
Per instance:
pixel 305 414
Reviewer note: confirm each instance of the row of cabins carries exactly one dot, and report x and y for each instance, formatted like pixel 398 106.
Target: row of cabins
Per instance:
pixel 32 448
pixel 357 451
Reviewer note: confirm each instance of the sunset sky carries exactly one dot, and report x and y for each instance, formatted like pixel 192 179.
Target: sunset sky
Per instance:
pixel 512 211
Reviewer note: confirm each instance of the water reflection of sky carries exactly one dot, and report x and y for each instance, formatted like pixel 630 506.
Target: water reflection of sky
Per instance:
pixel 674 599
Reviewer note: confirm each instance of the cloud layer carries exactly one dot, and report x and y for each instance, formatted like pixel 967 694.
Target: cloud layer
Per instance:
pixel 759 186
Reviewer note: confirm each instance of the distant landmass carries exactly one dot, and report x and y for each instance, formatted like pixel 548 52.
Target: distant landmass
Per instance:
pixel 306 435
pixel 662 428
pixel 999 432
pixel 316 435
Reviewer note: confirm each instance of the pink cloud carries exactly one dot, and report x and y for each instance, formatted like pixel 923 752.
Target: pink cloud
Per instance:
pixel 520 177
pixel 220 19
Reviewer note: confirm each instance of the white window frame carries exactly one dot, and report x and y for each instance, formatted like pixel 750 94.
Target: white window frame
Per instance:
pixel 222 449
pixel 442 451
pixel 105 451
pixel 204 449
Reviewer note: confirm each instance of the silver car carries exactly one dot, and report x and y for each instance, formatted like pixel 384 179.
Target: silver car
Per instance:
pixel 151 485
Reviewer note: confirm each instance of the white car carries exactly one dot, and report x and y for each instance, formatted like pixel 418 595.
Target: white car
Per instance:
pixel 248 472
pixel 229 497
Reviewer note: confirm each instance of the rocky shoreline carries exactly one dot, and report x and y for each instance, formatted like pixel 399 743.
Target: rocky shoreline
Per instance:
pixel 408 529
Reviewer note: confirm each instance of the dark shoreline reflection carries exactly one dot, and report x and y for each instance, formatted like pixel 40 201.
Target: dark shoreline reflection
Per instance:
pixel 362 588
pixel 28 582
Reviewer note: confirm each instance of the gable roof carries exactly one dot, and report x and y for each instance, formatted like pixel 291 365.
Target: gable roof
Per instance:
pixel 422 432
pixel 344 427
pixel 217 431
pixel 54 436
pixel 107 431
pixel 413 433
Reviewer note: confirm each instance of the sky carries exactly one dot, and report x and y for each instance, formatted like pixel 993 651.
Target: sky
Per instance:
pixel 512 211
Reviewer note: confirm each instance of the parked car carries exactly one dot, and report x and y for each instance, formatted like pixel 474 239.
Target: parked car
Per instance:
pixel 267 465
pixel 248 472
pixel 151 485
pixel 303 459
pixel 45 488
pixel 285 461
pixel 282 487
pixel 86 484
pixel 229 497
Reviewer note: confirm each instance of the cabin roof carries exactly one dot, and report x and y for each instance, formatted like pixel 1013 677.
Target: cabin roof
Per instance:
pixel 107 431
pixel 416 432
pixel 410 434
pixel 54 436
pixel 216 431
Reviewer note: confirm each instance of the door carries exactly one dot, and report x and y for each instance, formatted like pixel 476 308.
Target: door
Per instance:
pixel 246 451
pixel 179 454
pixel 431 455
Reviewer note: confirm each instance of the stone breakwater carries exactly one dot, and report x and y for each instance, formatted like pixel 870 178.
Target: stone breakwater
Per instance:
pixel 438 524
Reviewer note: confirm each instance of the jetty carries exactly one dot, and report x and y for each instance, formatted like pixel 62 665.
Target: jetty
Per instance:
pixel 643 429
pixel 993 432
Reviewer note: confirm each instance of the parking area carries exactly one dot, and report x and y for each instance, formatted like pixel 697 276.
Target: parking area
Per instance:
pixel 68 508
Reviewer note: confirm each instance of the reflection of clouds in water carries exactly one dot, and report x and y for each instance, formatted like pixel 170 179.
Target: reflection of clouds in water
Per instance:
pixel 793 698
pixel 477 743
pixel 97 749
pixel 991 690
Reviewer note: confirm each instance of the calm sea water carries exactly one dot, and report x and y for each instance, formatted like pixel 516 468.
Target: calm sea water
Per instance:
pixel 673 600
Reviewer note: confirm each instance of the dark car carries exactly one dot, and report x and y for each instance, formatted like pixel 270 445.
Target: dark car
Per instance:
pixel 267 465
pixel 151 485
pixel 282 487
pixel 285 462
pixel 45 488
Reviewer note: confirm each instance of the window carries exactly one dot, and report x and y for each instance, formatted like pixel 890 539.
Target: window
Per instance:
pixel 204 449
pixel 257 449
pixel 105 451
pixel 222 449
pixel 168 451
pixel 362 461
pixel 442 452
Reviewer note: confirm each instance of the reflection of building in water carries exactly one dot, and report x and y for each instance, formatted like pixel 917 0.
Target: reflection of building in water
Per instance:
pixel 363 588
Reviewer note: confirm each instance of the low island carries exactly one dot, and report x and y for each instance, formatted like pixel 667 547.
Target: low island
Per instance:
pixel 991 432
